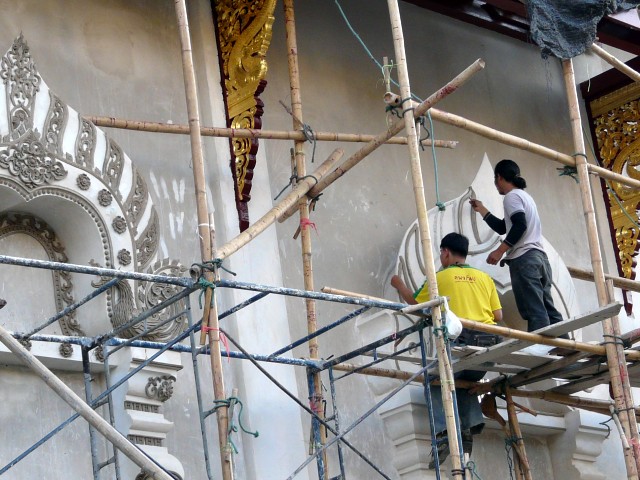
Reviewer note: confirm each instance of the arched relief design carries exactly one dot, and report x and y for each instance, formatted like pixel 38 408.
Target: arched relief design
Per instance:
pixel 47 148
pixel 12 223
pixel 244 31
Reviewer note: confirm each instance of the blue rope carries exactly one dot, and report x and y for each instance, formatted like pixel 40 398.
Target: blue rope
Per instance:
pixel 439 204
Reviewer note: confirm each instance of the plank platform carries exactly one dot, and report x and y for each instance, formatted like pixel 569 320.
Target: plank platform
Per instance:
pixel 497 352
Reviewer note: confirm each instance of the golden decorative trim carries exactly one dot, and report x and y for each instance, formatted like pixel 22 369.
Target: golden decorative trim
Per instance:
pixel 244 33
pixel 613 100
pixel 618 138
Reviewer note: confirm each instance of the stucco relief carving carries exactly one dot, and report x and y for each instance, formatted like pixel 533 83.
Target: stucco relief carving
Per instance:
pixel 66 350
pixel 31 163
pixel 83 181
pixel 103 182
pixel 54 125
pixel 160 388
pixel 12 223
pixel 22 82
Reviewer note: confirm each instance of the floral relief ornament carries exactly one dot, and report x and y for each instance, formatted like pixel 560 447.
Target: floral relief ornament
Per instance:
pixel 124 257
pixel 104 197
pixel 160 388
pixel 83 181
pixel 119 224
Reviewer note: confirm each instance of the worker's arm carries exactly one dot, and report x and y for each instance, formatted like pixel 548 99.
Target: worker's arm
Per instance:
pixel 518 227
pixel 497 315
pixel 496 224
pixel 405 293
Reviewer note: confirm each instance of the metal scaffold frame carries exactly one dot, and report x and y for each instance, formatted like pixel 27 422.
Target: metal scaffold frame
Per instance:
pixel 206 278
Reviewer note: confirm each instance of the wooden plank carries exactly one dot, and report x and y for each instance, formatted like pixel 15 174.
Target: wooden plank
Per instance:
pixel 496 352
pixel 599 379
pixel 548 370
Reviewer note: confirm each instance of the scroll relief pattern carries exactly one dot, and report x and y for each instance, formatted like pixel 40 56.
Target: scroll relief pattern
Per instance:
pixel 244 34
pixel 618 139
pixel 12 223
pixel 60 154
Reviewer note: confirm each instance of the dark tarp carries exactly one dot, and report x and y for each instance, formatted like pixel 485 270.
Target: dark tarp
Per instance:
pixel 567 28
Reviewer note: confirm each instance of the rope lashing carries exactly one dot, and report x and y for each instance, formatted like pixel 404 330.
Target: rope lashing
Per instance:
pixel 509 442
pixel 310 135
pixel 232 427
pixel 204 284
pixel 442 330
pixel 305 222
pixel 568 171
pixel 212 265
pixel 471 466
pixel 292 178
pixel 222 336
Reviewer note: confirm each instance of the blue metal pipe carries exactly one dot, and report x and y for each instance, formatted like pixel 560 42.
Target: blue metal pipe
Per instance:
pixel 320 331
pixel 73 307
pixel 102 272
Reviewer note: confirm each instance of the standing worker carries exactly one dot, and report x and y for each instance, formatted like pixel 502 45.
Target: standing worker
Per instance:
pixel 473 296
pixel 528 263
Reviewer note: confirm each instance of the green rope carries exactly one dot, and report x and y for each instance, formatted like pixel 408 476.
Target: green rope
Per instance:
pixel 232 427
pixel 568 171
pixel 211 265
pixel 204 284
pixel 445 332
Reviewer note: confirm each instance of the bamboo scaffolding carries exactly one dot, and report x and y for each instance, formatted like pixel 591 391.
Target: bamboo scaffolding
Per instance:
pixel 210 321
pixel 543 339
pixel 176 129
pixel 85 411
pixel 615 63
pixel 523 144
pixel 613 360
pixel 619 282
pixel 591 404
pixel 269 218
pixel 626 417
pixel 394 129
pixel 444 365
pixel 305 230
pixel 514 426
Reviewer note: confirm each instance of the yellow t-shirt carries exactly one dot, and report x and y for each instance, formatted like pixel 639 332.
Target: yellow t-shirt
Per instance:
pixel 472 293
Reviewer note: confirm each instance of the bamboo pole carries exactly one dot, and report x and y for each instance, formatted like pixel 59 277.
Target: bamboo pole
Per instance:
pixel 594 248
pixel 176 129
pixel 619 282
pixel 205 232
pixel 394 129
pixel 335 291
pixel 526 145
pixel 444 365
pixel 627 419
pixel 615 63
pixel 537 338
pixel 594 405
pixel 398 126
pixel 84 410
pixel 303 209
pixel 300 190
pixel 514 425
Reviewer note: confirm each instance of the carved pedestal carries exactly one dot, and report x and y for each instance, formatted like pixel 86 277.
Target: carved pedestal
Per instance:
pixel 148 390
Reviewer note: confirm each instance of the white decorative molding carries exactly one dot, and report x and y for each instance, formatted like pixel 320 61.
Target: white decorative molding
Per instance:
pixel 574 452
pixel 147 390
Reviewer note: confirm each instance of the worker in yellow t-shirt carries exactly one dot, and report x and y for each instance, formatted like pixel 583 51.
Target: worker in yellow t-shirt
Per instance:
pixel 473 296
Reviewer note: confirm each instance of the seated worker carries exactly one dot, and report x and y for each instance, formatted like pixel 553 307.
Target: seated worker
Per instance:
pixel 473 296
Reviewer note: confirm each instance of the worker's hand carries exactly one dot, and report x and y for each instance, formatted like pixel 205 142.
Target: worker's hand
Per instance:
pixel 478 206
pixel 495 256
pixel 396 282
